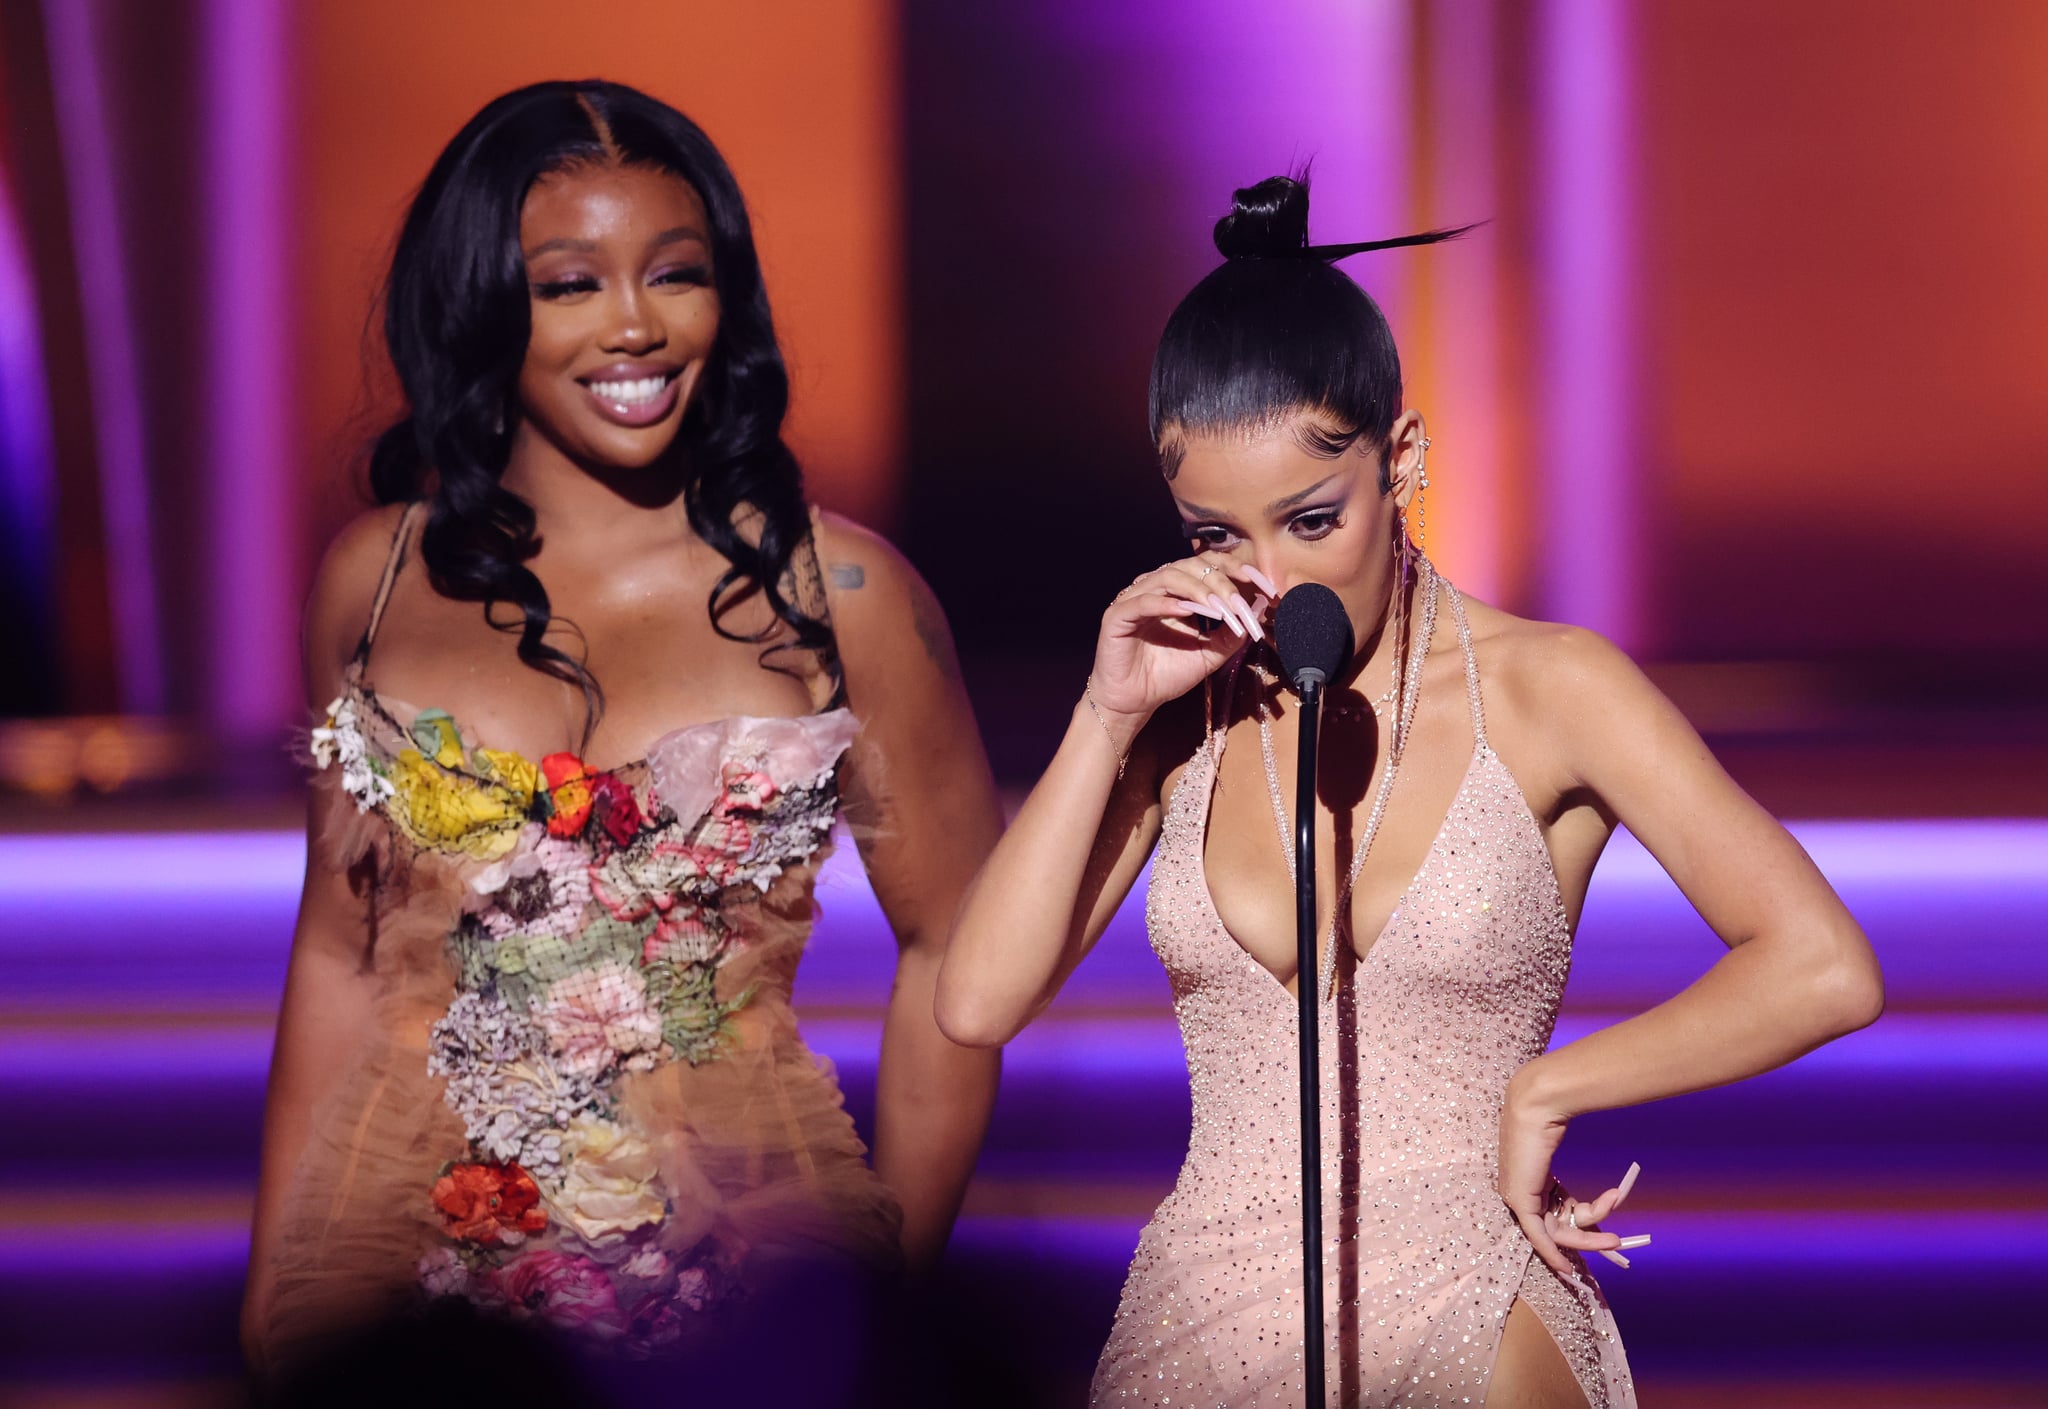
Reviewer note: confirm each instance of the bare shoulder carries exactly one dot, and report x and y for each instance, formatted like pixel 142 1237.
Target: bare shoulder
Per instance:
pixel 1563 692
pixel 1536 662
pixel 881 606
pixel 344 587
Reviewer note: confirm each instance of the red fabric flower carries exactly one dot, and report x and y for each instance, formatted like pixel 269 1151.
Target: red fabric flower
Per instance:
pixel 569 791
pixel 613 805
pixel 489 1203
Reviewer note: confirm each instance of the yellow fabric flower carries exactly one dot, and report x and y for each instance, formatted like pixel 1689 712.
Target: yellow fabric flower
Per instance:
pixel 454 812
pixel 510 772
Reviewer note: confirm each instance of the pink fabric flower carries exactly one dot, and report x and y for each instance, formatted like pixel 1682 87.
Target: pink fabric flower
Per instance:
pixel 442 1273
pixel 682 937
pixel 649 1264
pixel 598 1015
pixel 746 788
pixel 693 1288
pixel 543 887
pixel 647 878
pixel 688 766
pixel 656 1322
pixel 565 1290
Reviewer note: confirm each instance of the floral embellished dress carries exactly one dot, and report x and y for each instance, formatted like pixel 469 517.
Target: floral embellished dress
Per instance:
pixel 587 1100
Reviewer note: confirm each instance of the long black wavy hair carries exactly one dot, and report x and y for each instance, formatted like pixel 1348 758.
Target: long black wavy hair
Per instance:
pixel 456 322
pixel 1275 330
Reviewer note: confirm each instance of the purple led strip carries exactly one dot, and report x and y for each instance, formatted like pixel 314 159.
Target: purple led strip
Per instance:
pixel 88 159
pixel 250 670
pixel 28 484
pixel 1587 432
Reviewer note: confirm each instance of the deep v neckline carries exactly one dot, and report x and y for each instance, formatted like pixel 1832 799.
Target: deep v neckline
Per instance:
pixel 1400 901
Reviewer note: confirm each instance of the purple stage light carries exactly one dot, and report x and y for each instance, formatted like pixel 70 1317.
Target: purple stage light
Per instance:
pixel 115 392
pixel 1590 463
pixel 28 479
pixel 251 672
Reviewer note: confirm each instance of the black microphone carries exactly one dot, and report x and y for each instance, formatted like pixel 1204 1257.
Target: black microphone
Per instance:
pixel 1312 633
pixel 1313 636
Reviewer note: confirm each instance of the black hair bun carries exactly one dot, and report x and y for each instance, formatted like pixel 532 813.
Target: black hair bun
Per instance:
pixel 1266 221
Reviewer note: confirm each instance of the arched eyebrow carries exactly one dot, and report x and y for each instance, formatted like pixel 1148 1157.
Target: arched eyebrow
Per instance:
pixel 1288 501
pixel 550 246
pixel 677 235
pixel 1278 506
pixel 666 237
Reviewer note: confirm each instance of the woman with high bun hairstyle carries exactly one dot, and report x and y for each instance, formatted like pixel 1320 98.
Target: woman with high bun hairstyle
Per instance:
pixel 591 688
pixel 1473 765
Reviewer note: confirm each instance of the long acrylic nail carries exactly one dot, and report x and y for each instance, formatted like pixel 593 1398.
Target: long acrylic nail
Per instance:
pixel 1618 1260
pixel 1229 617
pixel 1251 619
pixel 1265 582
pixel 1640 1240
pixel 1628 1180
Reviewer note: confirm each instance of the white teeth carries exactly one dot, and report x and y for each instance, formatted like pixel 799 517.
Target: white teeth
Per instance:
pixel 636 392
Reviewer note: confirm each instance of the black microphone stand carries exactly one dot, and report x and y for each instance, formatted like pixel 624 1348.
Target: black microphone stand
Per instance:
pixel 1307 994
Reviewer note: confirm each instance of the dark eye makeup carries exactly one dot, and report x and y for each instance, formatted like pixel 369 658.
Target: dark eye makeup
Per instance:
pixel 694 275
pixel 1309 525
pixel 563 288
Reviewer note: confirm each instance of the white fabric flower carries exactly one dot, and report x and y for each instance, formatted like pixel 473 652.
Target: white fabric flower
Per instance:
pixel 609 1186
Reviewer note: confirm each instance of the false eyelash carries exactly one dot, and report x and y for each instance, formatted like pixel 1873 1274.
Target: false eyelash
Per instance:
pixel 561 288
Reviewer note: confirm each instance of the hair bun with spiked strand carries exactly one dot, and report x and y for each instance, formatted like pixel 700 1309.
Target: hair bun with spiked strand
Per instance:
pixel 1266 221
pixel 1270 221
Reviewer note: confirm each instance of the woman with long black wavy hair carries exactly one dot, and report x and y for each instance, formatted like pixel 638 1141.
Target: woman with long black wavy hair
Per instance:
pixel 536 1053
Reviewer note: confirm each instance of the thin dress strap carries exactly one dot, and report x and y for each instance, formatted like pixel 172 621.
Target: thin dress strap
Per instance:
pixel 1471 667
pixel 392 563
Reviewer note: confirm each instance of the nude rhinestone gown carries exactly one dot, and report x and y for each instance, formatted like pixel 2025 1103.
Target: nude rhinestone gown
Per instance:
pixel 1422 1260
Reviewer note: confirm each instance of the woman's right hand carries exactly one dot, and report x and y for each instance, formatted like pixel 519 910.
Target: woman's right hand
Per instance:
pixel 1151 652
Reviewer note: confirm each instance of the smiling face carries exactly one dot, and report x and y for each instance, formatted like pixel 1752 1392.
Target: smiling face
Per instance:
pixel 1267 498
pixel 624 313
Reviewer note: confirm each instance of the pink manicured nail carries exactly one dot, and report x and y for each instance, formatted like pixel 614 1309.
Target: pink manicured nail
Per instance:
pixel 1229 617
pixel 1628 1180
pixel 1640 1240
pixel 1264 581
pixel 1251 619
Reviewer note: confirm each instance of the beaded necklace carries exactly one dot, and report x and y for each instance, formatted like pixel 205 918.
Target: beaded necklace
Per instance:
pixel 1410 690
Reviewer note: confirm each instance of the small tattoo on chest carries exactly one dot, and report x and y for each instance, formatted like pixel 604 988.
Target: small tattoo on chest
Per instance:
pixel 848 576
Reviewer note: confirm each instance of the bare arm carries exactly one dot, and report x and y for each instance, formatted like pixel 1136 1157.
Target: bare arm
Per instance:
pixel 1074 849
pixel 923 807
pixel 326 1009
pixel 1798 973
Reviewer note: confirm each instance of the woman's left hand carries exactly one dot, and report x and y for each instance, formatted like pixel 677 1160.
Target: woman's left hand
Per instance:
pixel 1551 1219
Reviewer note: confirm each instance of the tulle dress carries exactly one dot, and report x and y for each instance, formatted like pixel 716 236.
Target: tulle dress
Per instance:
pixel 585 1102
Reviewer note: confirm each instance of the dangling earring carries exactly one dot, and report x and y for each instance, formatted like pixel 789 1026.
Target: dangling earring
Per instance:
pixel 1421 489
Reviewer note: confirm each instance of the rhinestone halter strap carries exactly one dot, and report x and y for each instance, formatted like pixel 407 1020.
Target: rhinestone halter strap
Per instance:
pixel 1404 716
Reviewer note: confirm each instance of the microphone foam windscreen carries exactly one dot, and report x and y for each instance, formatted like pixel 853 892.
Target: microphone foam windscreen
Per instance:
pixel 1311 632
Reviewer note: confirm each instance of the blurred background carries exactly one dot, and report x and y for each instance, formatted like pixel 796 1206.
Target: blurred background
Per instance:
pixel 1748 369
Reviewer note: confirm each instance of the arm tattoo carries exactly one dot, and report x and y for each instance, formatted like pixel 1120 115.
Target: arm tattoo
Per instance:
pixel 848 577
